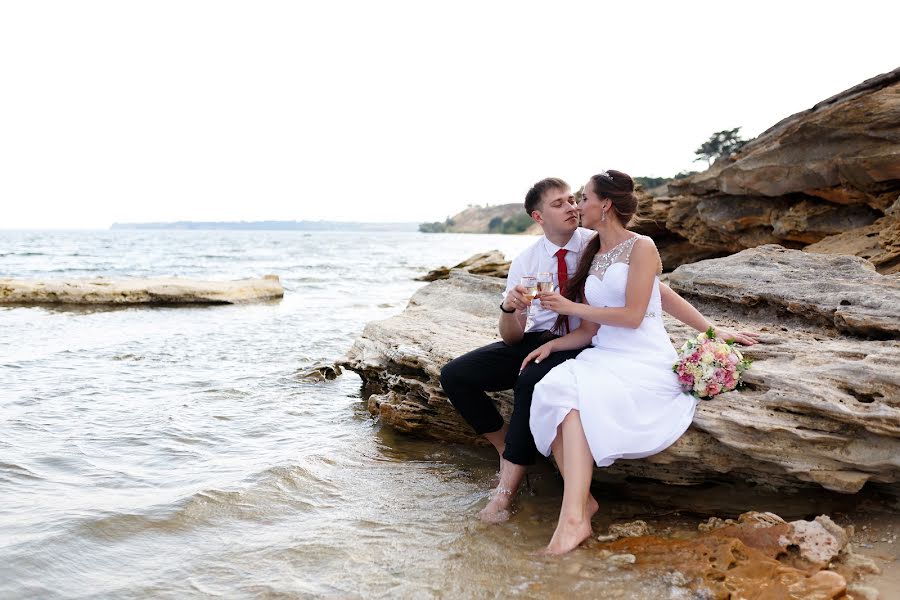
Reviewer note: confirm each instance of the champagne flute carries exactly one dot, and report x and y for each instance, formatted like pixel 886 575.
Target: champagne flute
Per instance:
pixel 546 282
pixel 530 283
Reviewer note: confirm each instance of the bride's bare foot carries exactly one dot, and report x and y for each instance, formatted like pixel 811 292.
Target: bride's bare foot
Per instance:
pixel 591 507
pixel 498 509
pixel 568 535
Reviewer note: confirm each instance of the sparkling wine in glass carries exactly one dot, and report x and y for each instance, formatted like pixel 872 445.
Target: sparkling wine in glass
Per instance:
pixel 530 283
pixel 546 282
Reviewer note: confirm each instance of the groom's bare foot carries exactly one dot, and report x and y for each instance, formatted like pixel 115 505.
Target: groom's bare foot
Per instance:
pixel 568 536
pixel 499 476
pixel 498 510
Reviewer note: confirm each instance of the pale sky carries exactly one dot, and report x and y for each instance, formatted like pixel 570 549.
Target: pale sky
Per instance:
pixel 389 111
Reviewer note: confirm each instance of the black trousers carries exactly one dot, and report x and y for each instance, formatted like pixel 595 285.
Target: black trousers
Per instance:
pixel 493 368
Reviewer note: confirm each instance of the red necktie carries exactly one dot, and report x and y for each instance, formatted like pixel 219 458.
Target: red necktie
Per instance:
pixel 562 272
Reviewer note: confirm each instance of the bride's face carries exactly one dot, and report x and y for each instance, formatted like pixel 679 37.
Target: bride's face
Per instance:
pixel 591 206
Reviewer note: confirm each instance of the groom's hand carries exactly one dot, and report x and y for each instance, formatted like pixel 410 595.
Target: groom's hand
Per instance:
pixel 515 299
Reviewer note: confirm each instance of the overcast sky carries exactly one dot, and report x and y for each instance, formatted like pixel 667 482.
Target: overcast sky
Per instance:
pixel 389 111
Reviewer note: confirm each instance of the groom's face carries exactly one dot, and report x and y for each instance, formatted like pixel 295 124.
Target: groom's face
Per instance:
pixel 558 212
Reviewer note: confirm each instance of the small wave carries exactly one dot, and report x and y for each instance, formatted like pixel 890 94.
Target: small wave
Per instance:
pixel 263 497
pixel 10 471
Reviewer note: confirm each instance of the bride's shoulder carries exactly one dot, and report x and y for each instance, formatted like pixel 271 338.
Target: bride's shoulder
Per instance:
pixel 644 240
pixel 644 249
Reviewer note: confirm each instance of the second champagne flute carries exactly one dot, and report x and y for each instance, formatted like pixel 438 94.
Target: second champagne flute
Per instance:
pixel 546 282
pixel 530 283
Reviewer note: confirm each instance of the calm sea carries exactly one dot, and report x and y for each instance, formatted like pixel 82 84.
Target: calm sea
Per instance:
pixel 175 452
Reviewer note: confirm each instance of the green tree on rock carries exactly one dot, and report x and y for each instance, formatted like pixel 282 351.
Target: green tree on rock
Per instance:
pixel 719 144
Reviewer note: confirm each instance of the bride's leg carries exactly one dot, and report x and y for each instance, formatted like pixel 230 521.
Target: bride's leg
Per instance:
pixel 591 505
pixel 574 521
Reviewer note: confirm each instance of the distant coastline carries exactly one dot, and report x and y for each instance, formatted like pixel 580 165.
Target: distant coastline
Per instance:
pixel 273 225
pixel 499 218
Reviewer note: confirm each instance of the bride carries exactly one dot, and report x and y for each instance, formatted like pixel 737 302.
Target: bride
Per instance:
pixel 619 398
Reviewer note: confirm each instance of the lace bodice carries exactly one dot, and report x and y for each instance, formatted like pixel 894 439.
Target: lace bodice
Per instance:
pixel 607 288
pixel 620 253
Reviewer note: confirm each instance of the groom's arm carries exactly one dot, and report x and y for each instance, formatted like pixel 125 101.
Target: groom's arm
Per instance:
pixel 512 325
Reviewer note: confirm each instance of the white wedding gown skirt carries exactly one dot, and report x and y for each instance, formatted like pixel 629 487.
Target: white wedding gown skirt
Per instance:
pixel 630 402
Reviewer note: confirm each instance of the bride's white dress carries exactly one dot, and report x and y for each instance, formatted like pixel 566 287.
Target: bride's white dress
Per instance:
pixel 630 401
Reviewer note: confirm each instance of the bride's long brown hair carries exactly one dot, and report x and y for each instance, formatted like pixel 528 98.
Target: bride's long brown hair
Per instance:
pixel 618 188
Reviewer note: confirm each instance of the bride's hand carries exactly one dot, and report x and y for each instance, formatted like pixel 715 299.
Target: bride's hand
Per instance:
pixel 557 303
pixel 537 355
pixel 745 338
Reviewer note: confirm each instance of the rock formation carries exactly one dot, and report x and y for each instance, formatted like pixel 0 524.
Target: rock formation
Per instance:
pixel 822 404
pixel 163 290
pixel 826 179
pixel 487 263
pixel 758 556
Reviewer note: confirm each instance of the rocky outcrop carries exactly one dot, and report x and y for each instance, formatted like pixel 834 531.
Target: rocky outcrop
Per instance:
pixel 838 294
pixel 822 404
pixel 491 263
pixel 163 290
pixel 674 249
pixel 826 177
pixel 879 243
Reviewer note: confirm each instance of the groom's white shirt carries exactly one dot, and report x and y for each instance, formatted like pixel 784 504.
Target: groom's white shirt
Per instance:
pixel 540 257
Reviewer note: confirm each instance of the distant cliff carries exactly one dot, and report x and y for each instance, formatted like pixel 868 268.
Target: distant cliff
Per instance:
pixel 502 218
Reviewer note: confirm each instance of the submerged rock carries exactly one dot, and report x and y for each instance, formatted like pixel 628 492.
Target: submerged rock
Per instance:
pixel 759 556
pixel 320 373
pixel 158 290
pixel 822 404
pixel 630 529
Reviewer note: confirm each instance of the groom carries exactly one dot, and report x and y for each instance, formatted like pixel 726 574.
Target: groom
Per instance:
pixel 495 367
pixel 551 203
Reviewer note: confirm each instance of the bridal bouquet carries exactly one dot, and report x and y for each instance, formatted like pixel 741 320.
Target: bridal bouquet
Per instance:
pixel 707 367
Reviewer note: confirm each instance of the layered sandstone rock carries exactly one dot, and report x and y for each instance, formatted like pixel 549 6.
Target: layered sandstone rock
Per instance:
pixel 827 176
pixel 491 263
pixel 822 406
pixel 674 249
pixel 878 243
pixel 163 290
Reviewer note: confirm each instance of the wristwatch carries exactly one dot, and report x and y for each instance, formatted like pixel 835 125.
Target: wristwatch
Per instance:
pixel 509 312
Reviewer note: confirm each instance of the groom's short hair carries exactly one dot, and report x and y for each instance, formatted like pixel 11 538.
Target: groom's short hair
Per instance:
pixel 536 194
